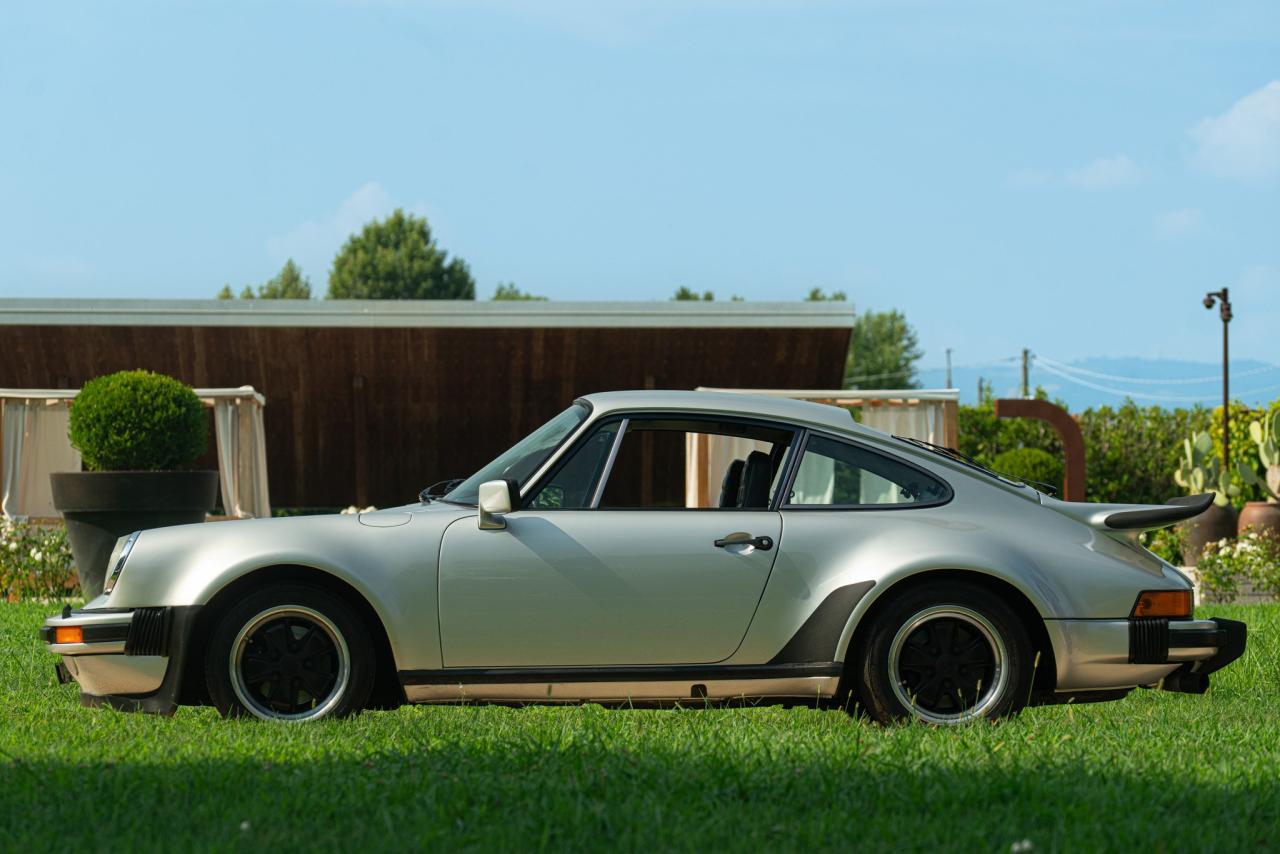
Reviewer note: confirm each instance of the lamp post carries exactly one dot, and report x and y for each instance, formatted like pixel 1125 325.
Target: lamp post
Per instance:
pixel 1224 311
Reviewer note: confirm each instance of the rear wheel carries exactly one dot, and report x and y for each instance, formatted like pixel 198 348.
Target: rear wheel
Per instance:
pixel 947 653
pixel 290 653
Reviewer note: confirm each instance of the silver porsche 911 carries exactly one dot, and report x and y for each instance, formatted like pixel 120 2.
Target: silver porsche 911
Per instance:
pixel 659 548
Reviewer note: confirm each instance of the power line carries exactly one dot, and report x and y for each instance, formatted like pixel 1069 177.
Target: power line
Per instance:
pixel 1149 380
pixel 937 368
pixel 885 376
pixel 1138 395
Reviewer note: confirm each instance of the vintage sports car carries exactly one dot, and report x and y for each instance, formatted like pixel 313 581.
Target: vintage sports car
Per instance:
pixel 656 548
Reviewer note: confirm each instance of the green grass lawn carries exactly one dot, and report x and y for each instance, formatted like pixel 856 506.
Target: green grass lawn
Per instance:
pixel 1155 771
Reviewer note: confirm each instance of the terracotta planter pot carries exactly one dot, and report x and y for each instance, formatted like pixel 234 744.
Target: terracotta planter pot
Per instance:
pixel 1260 516
pixel 1213 524
pixel 101 506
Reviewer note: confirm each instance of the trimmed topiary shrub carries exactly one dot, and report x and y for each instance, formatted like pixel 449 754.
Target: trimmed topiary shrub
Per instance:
pixel 138 421
pixel 1030 464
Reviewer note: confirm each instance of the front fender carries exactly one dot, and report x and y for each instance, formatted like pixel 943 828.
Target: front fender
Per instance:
pixel 393 568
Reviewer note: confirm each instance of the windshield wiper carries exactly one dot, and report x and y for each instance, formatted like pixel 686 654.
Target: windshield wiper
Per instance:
pixel 967 460
pixel 437 491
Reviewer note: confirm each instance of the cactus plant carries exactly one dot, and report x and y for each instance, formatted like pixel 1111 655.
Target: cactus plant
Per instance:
pixel 1265 434
pixel 1199 471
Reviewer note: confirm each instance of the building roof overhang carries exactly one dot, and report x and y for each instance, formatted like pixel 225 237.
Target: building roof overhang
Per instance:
pixel 425 314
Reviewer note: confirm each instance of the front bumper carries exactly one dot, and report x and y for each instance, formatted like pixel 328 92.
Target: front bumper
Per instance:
pixel 1177 655
pixel 130 659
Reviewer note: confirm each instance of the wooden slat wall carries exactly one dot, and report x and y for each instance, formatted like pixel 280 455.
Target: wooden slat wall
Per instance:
pixel 373 415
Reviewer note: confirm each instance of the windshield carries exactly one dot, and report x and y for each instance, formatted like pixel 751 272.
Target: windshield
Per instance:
pixel 524 458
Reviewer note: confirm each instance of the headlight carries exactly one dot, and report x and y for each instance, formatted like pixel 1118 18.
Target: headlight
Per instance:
pixel 116 562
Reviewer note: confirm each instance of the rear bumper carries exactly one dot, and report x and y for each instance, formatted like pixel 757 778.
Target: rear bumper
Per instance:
pixel 129 659
pixel 1203 648
pixel 1177 655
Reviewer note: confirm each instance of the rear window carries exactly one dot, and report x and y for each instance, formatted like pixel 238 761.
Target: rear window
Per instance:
pixel 839 474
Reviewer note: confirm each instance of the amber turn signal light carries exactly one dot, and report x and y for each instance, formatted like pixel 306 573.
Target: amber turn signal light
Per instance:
pixel 68 634
pixel 1163 603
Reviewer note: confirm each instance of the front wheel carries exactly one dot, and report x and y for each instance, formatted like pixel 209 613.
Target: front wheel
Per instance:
pixel 947 653
pixel 290 653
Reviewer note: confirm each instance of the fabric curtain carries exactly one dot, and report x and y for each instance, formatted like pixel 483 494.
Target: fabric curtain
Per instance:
pixel 35 446
pixel 242 457
pixel 922 421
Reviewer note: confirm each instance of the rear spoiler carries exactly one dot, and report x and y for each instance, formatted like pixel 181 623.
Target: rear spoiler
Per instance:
pixel 1159 516
pixel 1132 517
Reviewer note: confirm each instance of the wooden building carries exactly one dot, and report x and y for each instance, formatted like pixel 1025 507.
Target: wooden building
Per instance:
pixel 369 401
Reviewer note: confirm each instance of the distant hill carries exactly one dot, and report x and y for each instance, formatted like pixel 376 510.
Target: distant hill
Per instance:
pixel 1108 380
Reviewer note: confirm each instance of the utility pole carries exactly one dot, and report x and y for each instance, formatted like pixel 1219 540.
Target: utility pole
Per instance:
pixel 1224 311
pixel 1026 373
pixel 949 367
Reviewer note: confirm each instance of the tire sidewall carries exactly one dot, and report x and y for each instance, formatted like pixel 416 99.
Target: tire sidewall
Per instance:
pixel 873 682
pixel 348 623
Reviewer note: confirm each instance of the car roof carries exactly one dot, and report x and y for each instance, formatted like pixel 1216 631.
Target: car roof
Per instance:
pixel 728 403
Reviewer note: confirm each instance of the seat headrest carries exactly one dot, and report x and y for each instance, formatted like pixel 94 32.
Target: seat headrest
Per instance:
pixel 729 486
pixel 757 474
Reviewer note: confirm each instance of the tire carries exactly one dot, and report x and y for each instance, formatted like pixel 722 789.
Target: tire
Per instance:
pixel 945 653
pixel 290 652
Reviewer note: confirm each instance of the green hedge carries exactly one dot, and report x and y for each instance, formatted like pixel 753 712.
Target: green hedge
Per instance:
pixel 1131 451
pixel 138 421
pixel 1033 465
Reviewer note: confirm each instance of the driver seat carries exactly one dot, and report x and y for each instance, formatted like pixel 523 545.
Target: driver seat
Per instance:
pixel 757 475
pixel 729 486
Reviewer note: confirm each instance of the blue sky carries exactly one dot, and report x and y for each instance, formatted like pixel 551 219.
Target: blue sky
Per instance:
pixel 1009 174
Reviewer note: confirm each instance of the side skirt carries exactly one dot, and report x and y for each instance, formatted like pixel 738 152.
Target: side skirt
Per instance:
pixel 643 685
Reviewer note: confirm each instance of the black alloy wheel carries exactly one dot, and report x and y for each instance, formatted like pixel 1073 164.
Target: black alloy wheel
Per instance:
pixel 290 652
pixel 941 653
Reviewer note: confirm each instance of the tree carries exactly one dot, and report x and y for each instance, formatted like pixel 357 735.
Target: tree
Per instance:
pixel 816 295
pixel 883 348
pixel 883 351
pixel 397 258
pixel 509 291
pixel 684 294
pixel 289 283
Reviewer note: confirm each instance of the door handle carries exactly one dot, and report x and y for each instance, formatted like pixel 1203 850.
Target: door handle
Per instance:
pixel 744 539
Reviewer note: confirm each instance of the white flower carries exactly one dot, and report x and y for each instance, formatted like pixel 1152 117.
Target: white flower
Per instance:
pixel 35 555
pixel 13 546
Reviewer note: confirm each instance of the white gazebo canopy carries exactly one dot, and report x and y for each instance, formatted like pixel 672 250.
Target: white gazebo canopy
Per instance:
pixel 36 444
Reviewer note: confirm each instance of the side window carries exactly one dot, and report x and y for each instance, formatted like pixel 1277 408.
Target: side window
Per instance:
pixel 669 463
pixel 571 486
pixel 696 464
pixel 838 474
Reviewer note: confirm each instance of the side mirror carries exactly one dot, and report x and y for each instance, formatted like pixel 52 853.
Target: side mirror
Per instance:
pixel 496 498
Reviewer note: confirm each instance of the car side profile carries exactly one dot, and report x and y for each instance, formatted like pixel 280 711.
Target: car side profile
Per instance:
pixel 658 548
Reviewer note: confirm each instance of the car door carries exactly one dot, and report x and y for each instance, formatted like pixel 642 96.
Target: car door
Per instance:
pixel 612 561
